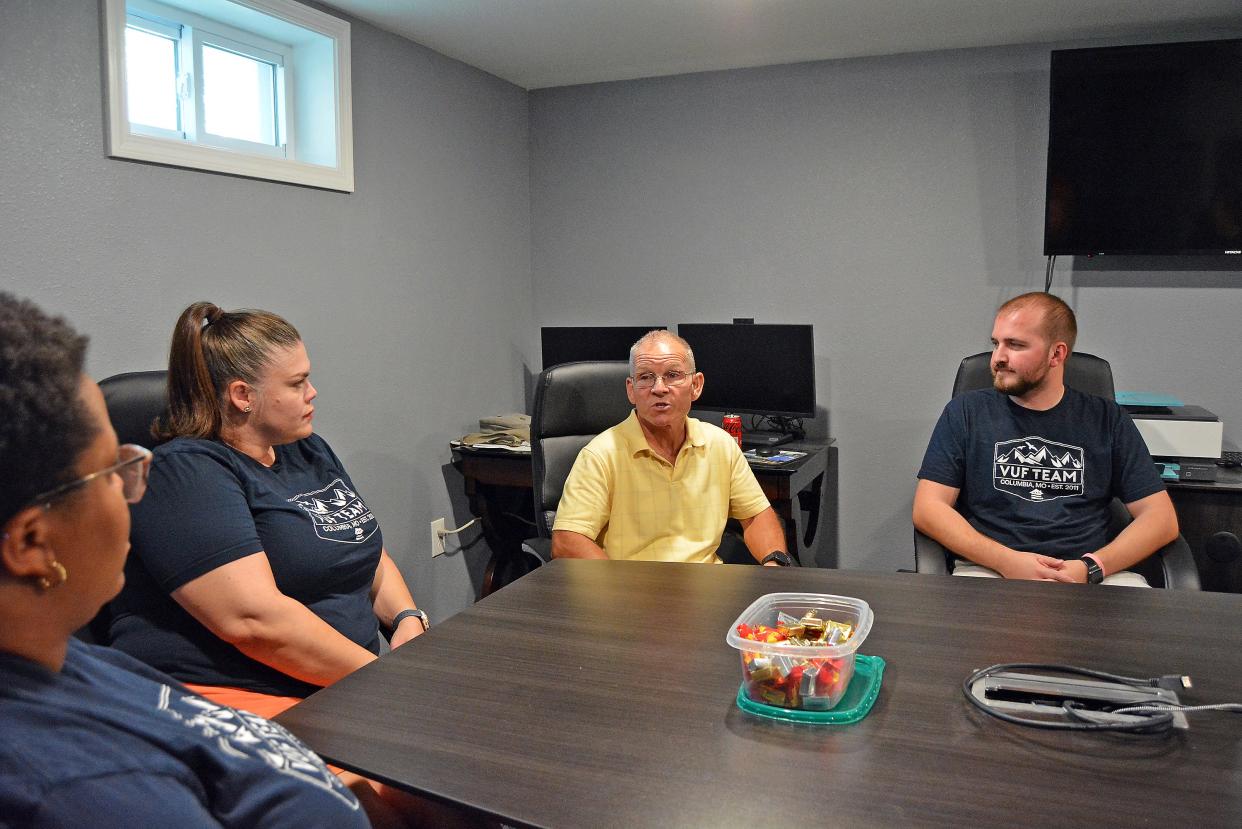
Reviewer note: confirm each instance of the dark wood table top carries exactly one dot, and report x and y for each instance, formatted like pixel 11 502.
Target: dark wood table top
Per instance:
pixel 602 694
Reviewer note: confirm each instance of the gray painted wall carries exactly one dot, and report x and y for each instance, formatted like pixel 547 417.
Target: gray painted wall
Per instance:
pixel 413 294
pixel 892 202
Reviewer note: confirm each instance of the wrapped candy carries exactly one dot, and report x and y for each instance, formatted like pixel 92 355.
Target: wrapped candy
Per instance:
pixel 795 681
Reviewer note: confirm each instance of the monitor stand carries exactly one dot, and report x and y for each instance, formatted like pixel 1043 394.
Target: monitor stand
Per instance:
pixel 758 438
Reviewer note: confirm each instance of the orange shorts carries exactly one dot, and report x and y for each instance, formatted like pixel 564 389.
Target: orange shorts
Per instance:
pixel 265 705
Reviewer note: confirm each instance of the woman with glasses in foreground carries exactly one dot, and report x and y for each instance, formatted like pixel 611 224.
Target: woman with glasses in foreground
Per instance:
pixel 92 737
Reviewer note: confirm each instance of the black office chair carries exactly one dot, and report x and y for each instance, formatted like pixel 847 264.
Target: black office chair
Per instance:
pixel 574 402
pixel 134 399
pixel 1171 566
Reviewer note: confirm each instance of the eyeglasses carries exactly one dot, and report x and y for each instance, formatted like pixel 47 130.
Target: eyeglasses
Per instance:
pixel 132 467
pixel 647 379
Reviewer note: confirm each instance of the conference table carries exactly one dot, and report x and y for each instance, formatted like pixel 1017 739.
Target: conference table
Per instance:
pixel 602 693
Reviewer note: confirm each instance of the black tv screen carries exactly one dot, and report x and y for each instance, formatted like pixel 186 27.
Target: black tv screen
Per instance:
pixel 1145 150
pixel 754 369
pixel 575 343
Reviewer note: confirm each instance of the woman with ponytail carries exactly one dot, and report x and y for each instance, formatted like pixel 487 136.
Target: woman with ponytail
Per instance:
pixel 258 572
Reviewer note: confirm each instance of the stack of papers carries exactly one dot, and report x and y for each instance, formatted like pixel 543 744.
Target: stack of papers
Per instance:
pixel 502 440
pixel 782 456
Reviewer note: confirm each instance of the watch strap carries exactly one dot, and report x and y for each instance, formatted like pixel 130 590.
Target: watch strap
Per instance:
pixel 421 615
pixel 1095 573
pixel 780 557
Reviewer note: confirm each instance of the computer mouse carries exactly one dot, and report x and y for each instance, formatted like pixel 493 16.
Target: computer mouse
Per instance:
pixel 767 451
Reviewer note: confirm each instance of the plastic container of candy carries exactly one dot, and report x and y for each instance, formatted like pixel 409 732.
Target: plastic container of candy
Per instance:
pixel 797 649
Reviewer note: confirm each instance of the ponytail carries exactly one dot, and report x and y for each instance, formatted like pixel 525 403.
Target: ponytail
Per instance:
pixel 211 348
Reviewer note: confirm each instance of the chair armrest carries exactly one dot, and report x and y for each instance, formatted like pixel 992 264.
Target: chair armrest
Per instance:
pixel 1175 561
pixel 540 548
pixel 929 555
pixel 1178 564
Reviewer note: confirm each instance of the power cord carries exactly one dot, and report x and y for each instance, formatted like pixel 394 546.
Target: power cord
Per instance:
pixel 1158 714
pixel 779 423
pixel 519 518
pixel 1052 262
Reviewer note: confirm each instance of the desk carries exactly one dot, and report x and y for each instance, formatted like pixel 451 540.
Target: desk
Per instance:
pixel 499 485
pixel 1203 509
pixel 602 693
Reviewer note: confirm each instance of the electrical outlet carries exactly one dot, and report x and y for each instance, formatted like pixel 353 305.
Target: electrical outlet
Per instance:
pixel 437 537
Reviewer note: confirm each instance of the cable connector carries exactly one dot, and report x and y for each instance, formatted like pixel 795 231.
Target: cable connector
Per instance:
pixel 1174 682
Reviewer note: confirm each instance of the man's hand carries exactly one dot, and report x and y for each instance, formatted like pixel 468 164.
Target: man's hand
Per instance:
pixel 1034 566
pixel 1077 568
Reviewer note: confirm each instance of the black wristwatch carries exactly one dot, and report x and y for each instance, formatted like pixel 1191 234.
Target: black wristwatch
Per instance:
pixel 781 558
pixel 1095 574
pixel 413 611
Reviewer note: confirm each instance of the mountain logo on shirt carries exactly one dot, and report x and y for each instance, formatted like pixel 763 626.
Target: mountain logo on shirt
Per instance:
pixel 338 513
pixel 1036 469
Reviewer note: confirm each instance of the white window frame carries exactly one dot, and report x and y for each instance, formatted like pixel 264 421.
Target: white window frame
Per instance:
pixel 173 33
pixel 252 47
pixel 194 148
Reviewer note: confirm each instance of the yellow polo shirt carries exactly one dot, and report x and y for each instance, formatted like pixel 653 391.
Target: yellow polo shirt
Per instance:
pixel 636 505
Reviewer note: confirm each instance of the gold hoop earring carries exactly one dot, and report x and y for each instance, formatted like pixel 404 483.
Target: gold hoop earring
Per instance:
pixel 62 575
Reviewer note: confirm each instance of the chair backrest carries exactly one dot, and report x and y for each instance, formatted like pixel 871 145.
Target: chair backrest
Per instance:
pixel 574 402
pixel 1084 372
pixel 135 399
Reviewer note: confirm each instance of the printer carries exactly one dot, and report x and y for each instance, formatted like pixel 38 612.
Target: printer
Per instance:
pixel 1178 431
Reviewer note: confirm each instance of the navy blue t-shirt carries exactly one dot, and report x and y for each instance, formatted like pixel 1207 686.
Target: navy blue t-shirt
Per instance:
pixel 108 742
pixel 1039 482
pixel 207 505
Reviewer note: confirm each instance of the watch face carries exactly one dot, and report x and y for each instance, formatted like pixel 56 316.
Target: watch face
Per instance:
pixel 1094 574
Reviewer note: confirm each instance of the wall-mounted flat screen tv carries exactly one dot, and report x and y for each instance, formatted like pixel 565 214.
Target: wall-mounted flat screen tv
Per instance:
pixel 1145 150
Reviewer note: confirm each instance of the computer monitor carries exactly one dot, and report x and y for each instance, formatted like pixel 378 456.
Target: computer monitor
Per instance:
pixel 575 343
pixel 754 369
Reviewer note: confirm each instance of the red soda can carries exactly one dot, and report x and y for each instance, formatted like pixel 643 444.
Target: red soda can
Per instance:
pixel 733 425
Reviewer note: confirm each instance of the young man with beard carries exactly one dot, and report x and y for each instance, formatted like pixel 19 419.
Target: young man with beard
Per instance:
pixel 1017 479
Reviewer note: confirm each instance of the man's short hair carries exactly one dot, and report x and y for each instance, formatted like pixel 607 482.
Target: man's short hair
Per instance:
pixel 658 335
pixel 1059 324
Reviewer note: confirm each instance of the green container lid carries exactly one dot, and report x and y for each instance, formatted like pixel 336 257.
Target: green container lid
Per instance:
pixel 853 706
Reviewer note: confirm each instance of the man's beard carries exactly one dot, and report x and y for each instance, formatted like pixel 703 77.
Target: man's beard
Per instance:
pixel 1016 385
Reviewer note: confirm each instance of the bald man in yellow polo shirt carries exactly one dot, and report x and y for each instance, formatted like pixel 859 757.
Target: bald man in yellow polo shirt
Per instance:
pixel 660 485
